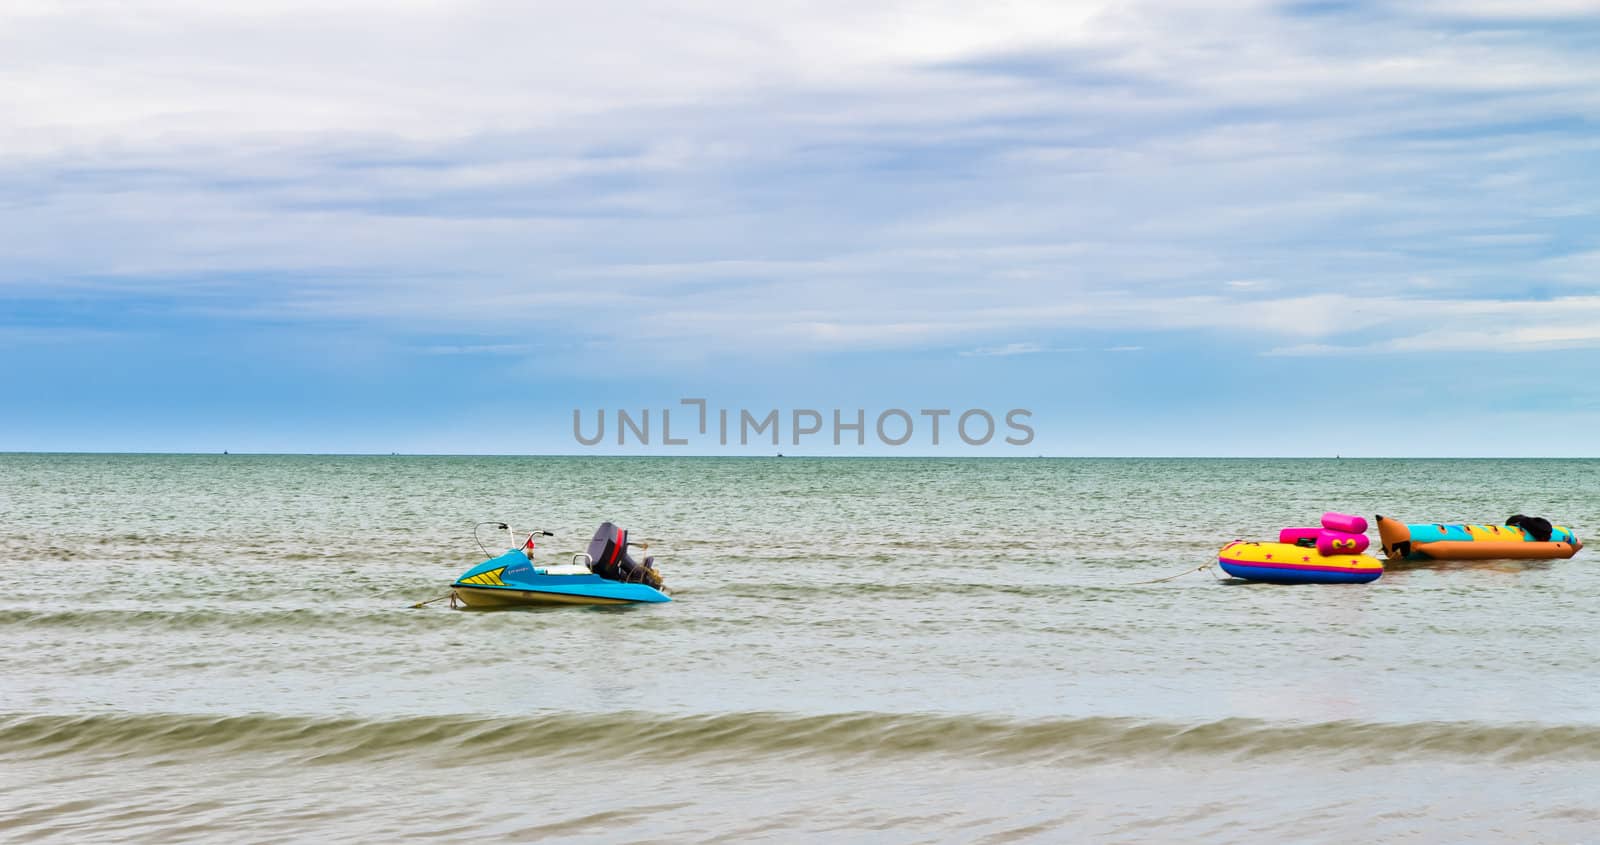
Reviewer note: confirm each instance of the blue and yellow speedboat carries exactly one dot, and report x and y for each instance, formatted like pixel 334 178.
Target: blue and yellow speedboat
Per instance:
pixel 607 574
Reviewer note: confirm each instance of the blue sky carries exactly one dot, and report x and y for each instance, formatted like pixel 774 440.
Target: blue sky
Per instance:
pixel 1225 228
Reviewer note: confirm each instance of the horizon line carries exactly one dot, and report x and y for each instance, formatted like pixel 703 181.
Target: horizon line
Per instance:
pixel 1337 457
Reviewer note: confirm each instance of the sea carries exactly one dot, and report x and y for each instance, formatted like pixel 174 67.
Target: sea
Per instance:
pixel 224 648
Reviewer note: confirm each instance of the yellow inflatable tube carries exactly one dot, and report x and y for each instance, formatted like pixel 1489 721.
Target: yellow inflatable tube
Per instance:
pixel 1285 563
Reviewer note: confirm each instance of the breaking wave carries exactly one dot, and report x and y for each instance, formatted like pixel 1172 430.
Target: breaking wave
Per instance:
pixel 326 740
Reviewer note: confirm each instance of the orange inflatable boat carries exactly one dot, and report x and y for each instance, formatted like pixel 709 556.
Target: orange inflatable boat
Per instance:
pixel 1437 541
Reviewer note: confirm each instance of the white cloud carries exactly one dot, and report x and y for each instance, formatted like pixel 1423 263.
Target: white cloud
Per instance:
pixel 1513 9
pixel 811 176
pixel 479 349
pixel 1474 326
pixel 1004 351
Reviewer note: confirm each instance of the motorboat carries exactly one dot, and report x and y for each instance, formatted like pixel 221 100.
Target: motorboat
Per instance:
pixel 605 574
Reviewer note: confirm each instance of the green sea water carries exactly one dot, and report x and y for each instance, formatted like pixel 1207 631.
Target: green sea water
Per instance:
pixel 220 648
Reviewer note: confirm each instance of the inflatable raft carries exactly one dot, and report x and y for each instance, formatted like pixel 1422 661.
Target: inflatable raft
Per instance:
pixel 1286 563
pixel 1437 541
pixel 1328 554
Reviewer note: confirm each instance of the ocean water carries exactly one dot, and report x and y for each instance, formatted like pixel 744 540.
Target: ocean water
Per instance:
pixel 221 648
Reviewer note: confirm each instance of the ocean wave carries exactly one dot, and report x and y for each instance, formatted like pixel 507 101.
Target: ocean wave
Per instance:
pixel 310 740
pixel 192 618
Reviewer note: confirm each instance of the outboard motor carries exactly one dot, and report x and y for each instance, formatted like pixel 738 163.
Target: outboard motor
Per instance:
pixel 609 558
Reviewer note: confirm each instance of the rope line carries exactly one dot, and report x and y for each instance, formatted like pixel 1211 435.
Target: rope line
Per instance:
pixel 1171 577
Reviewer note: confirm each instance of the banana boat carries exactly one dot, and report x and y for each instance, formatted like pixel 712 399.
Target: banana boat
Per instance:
pixel 1438 541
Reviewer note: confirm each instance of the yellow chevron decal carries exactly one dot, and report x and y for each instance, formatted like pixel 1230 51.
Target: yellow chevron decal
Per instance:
pixel 489 579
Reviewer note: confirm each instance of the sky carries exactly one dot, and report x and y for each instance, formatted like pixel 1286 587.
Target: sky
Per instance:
pixel 1162 228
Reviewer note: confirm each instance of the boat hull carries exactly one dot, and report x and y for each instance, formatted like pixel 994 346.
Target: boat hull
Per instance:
pixel 1283 563
pixel 513 597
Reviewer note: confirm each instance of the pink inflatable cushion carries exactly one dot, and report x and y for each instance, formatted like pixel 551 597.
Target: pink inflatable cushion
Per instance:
pixel 1295 535
pixel 1340 543
pixel 1347 522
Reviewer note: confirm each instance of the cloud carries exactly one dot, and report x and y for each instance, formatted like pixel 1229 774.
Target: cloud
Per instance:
pixel 1004 351
pixel 1472 326
pixel 813 177
pixel 479 349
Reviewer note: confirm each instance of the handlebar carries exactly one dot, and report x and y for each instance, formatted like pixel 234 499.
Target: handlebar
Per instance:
pixel 501 526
